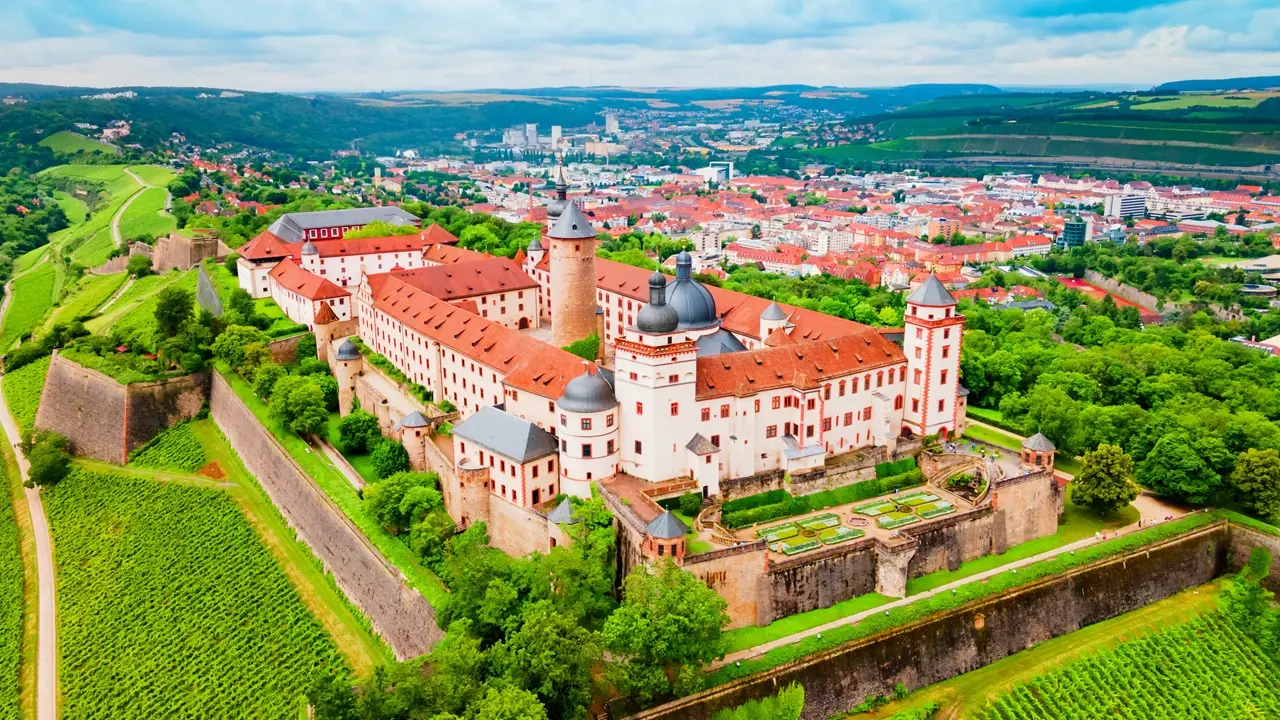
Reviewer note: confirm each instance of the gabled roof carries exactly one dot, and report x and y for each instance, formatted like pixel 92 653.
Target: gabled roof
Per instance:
pixel 699 445
pixel 310 286
pixel 931 293
pixel 666 527
pixel 801 365
pixel 449 254
pixel 462 280
pixel 506 435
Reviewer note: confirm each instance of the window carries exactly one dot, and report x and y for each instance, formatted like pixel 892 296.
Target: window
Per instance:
pixel 880 379
pixel 826 393
pixel 771 431
pixel 638 447
pixel 675 409
pixel 639 408
pixel 941 405
pixel 724 411
pixel 946 333
pixel 808 431
pixel 586 423
pixel 715 440
pixel 661 549
pixel 551 465
pixel 866 413
pixel 777 402
pixel 944 378
pixel 891 372
pixel 842 388
pixel 673 378
pixel 946 351
pixel 564 446
pixel 608 420
pixel 586 450
pixel 706 414
pixel 563 420
pixel 502 466
pixel 848 419
pixel 609 448
pixel 919 331
pixel 915 405
pixel 826 424
pixel 916 376
pixel 634 376
pixel 854 386
pixel 812 403
pixel 535 471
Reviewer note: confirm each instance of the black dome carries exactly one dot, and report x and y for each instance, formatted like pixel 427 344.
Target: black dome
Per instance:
pixel 691 300
pixel 587 393
pixel 347 351
pixel 657 317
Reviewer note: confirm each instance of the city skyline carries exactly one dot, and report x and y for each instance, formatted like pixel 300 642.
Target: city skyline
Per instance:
pixel 340 45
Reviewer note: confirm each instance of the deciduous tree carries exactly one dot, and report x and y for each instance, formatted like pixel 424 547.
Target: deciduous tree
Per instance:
pixel 1105 484
pixel 1257 482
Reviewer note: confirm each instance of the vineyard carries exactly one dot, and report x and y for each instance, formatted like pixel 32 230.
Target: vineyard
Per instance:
pixel 177 448
pixel 1202 669
pixel 10 608
pixel 32 298
pixel 22 390
pixel 170 607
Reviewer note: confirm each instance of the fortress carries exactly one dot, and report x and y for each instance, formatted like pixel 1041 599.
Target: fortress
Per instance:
pixel 694 389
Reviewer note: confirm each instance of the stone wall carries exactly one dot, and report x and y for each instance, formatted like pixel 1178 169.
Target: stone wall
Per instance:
pixel 181 252
pixel 734 573
pixel 285 350
pixel 1027 508
pixel 817 579
pixel 398 613
pixel 947 542
pixel 1119 289
pixel 1243 540
pixel 733 488
pixel 947 644
pixel 106 420
pixel 515 530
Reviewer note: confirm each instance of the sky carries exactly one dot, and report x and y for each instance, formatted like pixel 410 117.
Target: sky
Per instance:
pixel 367 45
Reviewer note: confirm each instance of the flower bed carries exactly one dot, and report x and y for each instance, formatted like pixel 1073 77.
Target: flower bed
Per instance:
pixel 896 520
pixel 875 509
pixel 795 545
pixel 778 532
pixel 918 499
pixel 748 511
pixel 935 509
pixel 834 535
pixel 820 522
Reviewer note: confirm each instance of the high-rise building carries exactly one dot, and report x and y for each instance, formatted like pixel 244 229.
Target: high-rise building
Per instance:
pixel 611 124
pixel 555 135
pixel 1125 205
pixel 1075 232
pixel 531 135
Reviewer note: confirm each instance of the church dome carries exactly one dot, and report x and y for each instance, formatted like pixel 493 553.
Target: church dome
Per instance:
pixel 587 393
pixel 691 300
pixel 657 317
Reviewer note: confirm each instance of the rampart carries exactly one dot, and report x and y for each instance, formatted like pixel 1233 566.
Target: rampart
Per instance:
pixel 107 420
pixel 1119 289
pixel 953 642
pixel 399 613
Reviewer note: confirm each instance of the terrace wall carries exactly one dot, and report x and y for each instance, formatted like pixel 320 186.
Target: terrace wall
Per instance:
pixel 1119 289
pixel 398 613
pixel 949 643
pixel 817 579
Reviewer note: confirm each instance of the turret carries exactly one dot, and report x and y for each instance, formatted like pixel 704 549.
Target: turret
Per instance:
pixel 310 257
pixel 931 342
pixel 588 421
pixel 573 277
pixel 414 435
pixel 664 536
pixel 771 320
pixel 347 365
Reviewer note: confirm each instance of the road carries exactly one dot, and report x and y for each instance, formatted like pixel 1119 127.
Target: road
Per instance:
pixel 47 644
pixel 1151 512
pixel 340 463
pixel 143 185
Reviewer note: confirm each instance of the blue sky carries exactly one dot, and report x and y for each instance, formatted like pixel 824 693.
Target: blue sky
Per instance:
pixel 297 45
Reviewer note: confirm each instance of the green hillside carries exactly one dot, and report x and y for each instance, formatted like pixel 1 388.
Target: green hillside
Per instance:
pixel 69 143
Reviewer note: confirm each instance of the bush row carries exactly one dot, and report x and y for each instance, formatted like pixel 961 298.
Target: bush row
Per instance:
pixel 751 502
pixel 789 505
pixel 965 594
pixel 896 467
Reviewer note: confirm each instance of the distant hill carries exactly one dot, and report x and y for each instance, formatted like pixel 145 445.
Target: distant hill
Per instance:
pixel 1241 83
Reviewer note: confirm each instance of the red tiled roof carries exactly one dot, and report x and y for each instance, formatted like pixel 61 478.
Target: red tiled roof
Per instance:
pixel 527 363
pixel 449 254
pixel 311 286
pixel 266 246
pixel 482 277
pixel 803 365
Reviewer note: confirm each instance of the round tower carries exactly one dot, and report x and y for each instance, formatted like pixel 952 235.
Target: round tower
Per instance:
pixel 588 421
pixel 573 277
pixel 347 365
pixel 415 433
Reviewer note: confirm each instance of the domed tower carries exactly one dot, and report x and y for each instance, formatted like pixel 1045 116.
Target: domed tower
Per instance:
pixel 557 206
pixel 573 277
pixel 656 366
pixel 310 257
pixel 347 365
pixel 588 421
pixel 691 299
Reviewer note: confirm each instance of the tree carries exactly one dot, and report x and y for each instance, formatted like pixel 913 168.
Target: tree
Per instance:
pixel 229 347
pixel 139 265
pixel 1173 469
pixel 358 432
pixel 265 377
pixel 551 656
pixel 47 454
pixel 298 404
pixel 175 306
pixel 755 232
pixel 668 625
pixel 379 228
pixel 1106 482
pixel 690 503
pixel 1257 482
pixel 394 503
pixel 509 703
pixel 231 265
pixel 389 457
pixel 786 705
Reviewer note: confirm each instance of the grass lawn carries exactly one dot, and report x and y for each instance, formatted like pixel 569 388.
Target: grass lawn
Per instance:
pixel 153 174
pixel 994 417
pixel 691 541
pixel 32 298
pixel 362 463
pixel 146 216
pixel 749 637
pixel 1077 524
pixel 143 290
pixel 74 208
pixel 66 143
pixel 90 293
pixel 964 695
pixel 334 484
pixel 1061 461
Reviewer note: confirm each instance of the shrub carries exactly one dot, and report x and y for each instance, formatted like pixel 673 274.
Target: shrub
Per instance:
pixel 789 505
pixel 47 454
pixel 139 265
pixel 754 501
pixel 265 378
pixel 389 457
pixel 359 431
pixel 690 504
pixel 897 467
pixel 230 264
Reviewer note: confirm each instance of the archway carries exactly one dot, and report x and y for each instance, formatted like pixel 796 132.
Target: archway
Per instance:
pixel 524 324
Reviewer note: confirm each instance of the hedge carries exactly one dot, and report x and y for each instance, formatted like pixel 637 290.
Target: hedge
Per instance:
pixel 751 502
pixel 788 505
pixel 964 594
pixel 896 467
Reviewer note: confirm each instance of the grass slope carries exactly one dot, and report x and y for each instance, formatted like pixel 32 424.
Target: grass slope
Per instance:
pixel 90 293
pixel 139 298
pixel 32 298
pixel 169 606
pixel 141 320
pixel 67 143
pixel 74 208
pixel 153 174
pixel 146 216
pixel 22 390
pixel 12 608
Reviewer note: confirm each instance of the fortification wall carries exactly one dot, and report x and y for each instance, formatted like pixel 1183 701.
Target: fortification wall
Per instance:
pixel 1119 289
pixel 950 643
pixel 1243 540
pixel 85 406
pixel 398 613
pixel 515 530
pixel 285 350
pixel 733 488
pixel 947 542
pixel 817 580
pixel 178 251
pixel 106 420
pixel 1027 508
pixel 734 573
